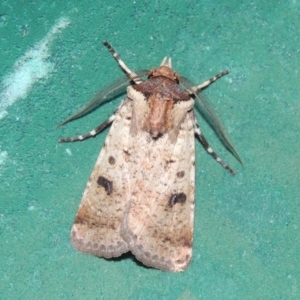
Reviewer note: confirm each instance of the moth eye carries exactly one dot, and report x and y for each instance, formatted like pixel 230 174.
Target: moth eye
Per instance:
pixel 111 160
pixel 180 174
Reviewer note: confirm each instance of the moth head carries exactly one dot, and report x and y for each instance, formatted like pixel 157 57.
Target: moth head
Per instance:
pixel 165 70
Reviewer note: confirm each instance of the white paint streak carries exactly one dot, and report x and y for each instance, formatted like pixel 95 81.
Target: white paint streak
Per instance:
pixel 29 69
pixel 68 151
pixel 31 207
pixel 3 159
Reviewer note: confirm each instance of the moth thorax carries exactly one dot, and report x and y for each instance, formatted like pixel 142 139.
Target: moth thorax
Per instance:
pixel 159 119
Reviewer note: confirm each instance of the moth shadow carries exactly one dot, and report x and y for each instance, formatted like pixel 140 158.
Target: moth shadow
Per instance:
pixel 127 256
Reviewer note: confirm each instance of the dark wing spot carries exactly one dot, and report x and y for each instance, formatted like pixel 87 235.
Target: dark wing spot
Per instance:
pixel 107 184
pixel 177 198
pixel 180 174
pixel 126 152
pixel 111 160
pixel 170 161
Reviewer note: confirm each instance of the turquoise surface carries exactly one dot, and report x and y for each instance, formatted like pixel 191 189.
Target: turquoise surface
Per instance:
pixel 246 243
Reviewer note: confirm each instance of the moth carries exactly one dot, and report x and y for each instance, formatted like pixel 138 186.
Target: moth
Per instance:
pixel 140 195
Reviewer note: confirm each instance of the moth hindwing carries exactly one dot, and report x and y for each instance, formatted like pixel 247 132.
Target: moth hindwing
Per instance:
pixel 140 196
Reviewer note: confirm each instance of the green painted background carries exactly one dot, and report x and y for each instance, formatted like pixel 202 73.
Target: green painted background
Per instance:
pixel 246 227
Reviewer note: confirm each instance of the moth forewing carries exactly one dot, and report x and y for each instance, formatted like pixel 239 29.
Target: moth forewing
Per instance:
pixel 140 196
pixel 96 228
pixel 158 223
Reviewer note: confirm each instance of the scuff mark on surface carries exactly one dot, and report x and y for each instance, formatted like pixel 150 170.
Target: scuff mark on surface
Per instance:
pixel 3 159
pixel 29 69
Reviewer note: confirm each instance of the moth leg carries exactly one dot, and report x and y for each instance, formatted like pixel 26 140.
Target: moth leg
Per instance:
pixel 88 134
pixel 94 131
pixel 121 63
pixel 206 83
pixel 194 90
pixel 209 149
